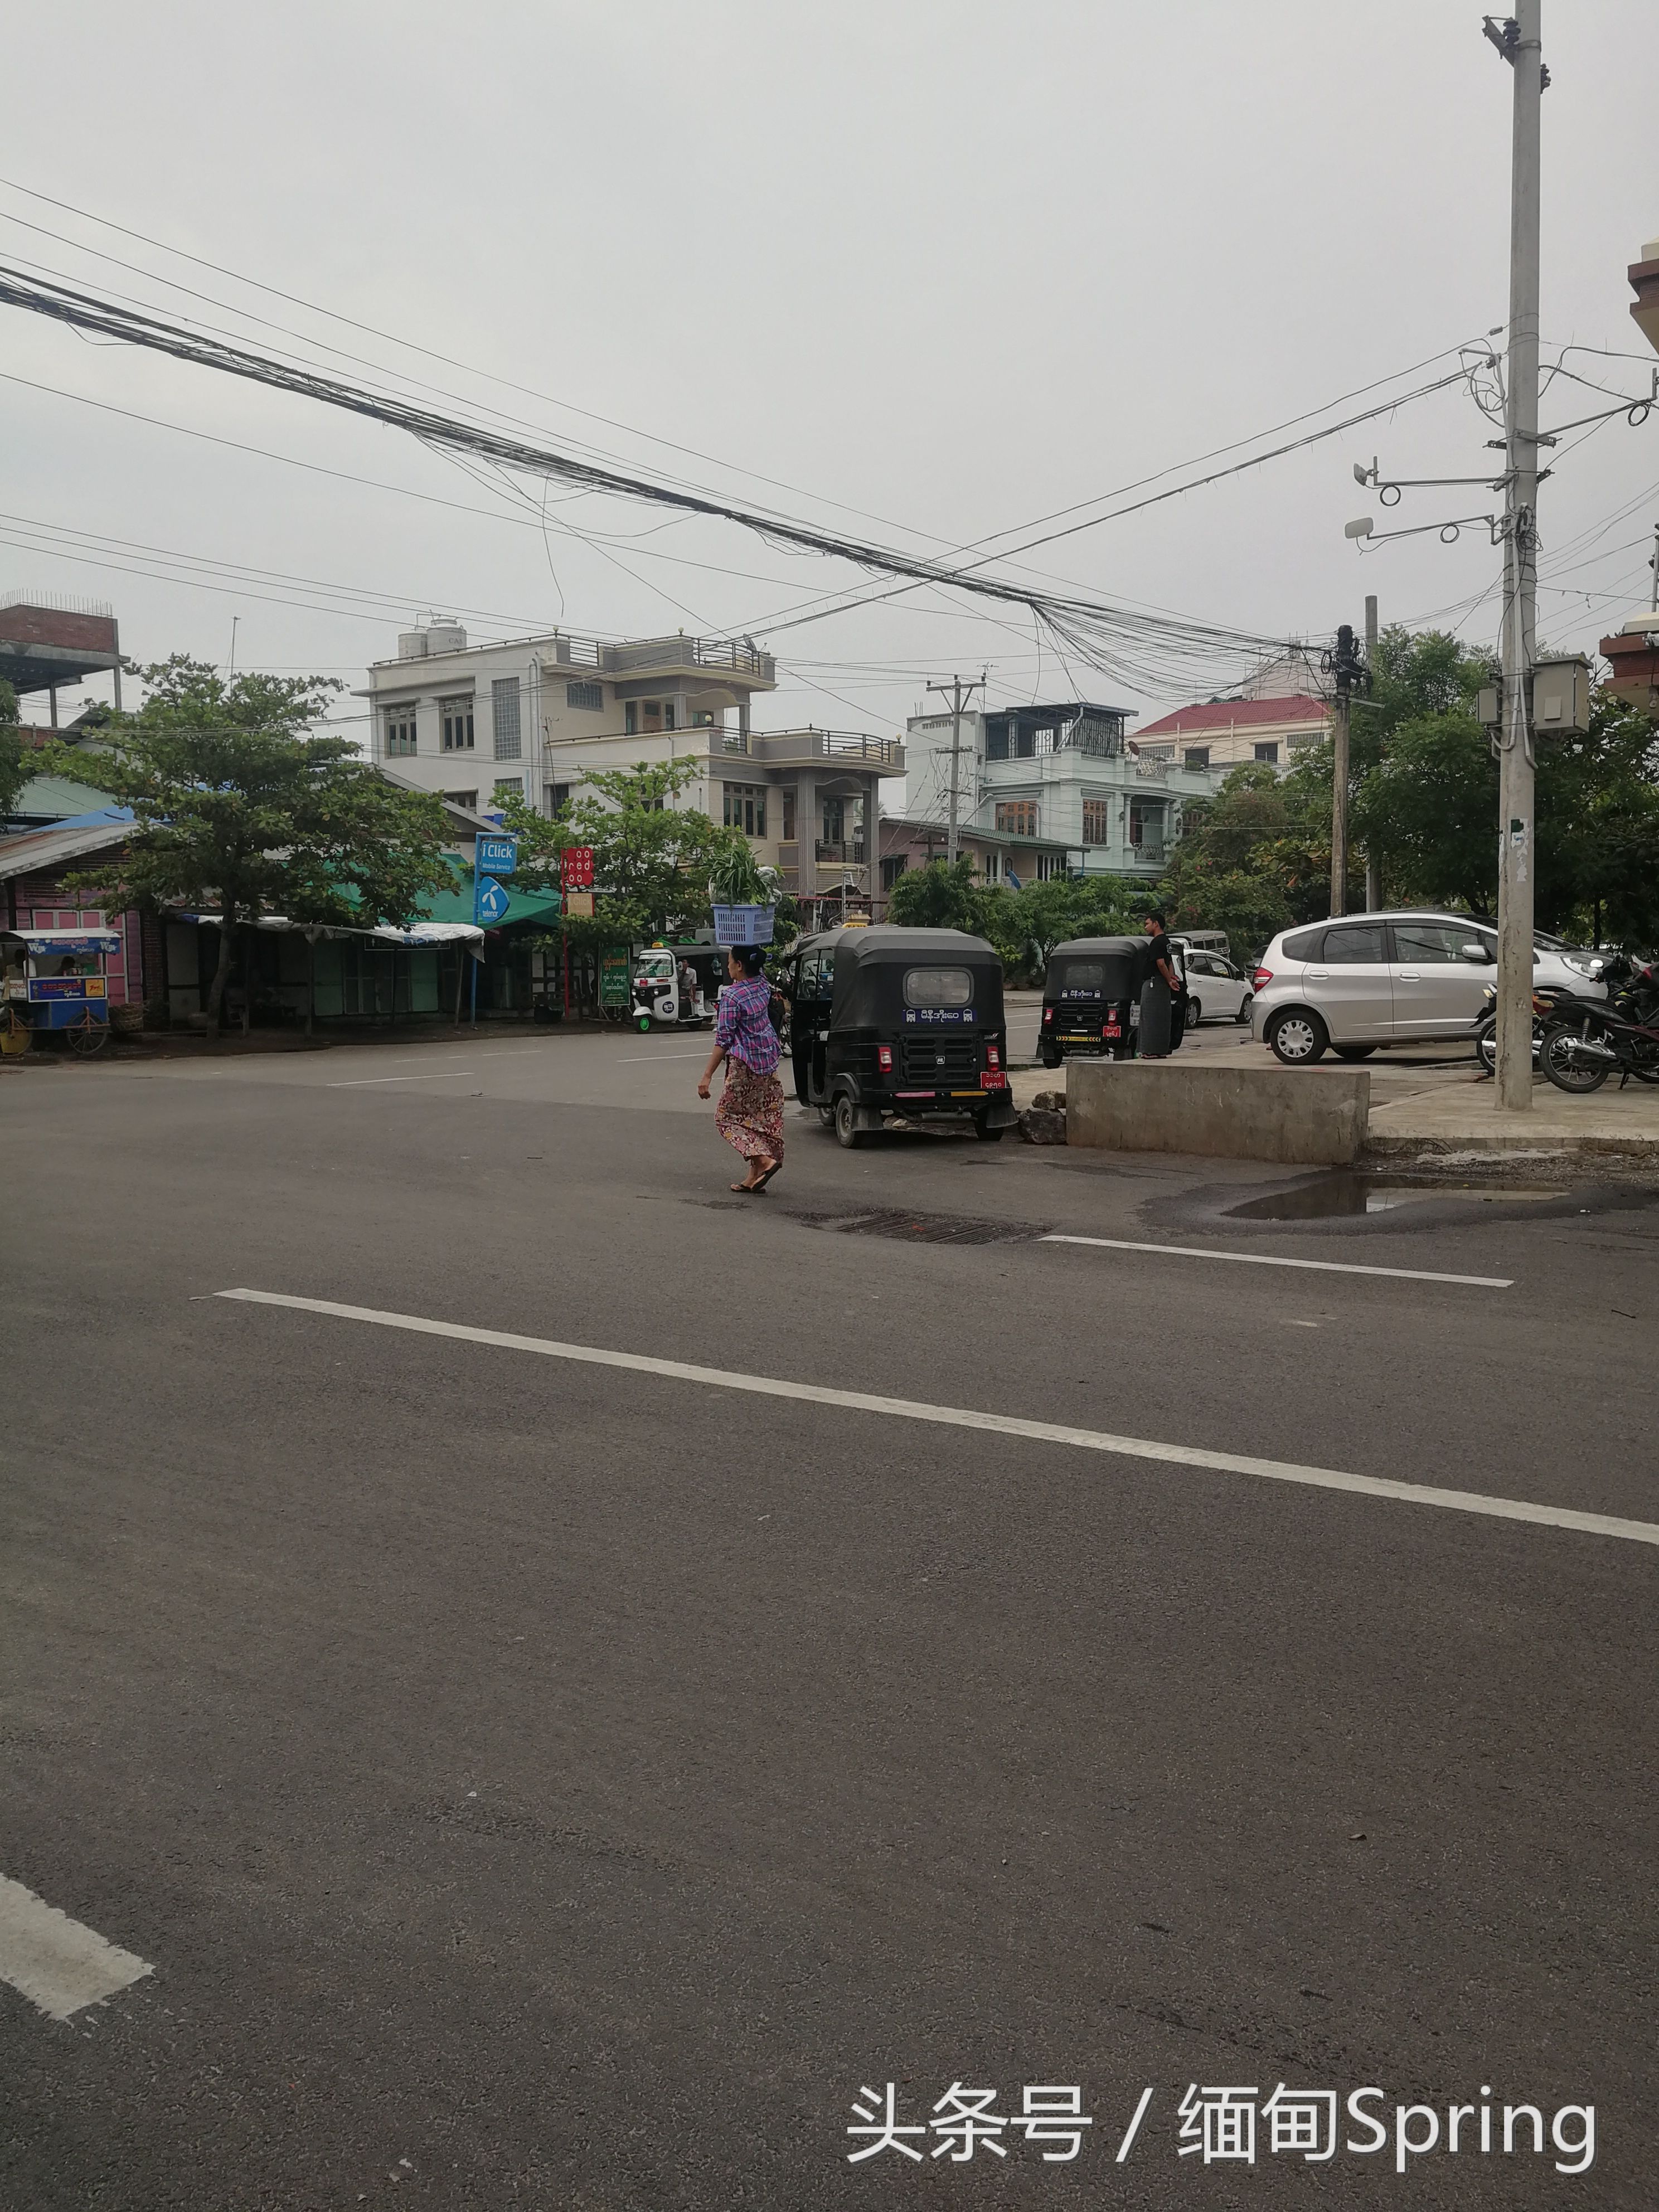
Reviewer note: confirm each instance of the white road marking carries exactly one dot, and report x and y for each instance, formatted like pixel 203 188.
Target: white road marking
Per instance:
pixel 436 1075
pixel 639 1059
pixel 53 1960
pixel 965 1416
pixel 1272 1259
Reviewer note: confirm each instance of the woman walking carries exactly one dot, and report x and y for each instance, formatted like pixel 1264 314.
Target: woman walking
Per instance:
pixel 749 1115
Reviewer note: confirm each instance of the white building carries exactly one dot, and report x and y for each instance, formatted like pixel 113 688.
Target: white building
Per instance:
pixel 536 716
pixel 1063 784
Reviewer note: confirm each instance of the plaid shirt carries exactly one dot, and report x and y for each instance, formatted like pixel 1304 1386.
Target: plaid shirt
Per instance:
pixel 744 1025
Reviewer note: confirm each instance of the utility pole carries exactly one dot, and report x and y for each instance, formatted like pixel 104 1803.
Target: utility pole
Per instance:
pixel 959 697
pixel 1373 851
pixel 1347 669
pixel 1520 40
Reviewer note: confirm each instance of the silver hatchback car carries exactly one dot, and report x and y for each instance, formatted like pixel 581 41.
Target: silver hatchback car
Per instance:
pixel 1381 979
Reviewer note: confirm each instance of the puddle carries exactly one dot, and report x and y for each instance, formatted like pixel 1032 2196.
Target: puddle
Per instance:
pixel 1344 1193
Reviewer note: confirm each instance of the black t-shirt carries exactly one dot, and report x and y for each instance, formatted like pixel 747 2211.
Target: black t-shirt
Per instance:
pixel 1157 948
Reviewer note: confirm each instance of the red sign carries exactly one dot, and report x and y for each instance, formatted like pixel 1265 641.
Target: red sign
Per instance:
pixel 576 867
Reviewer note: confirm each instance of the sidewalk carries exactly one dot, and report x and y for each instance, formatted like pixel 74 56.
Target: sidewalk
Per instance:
pixel 1464 1117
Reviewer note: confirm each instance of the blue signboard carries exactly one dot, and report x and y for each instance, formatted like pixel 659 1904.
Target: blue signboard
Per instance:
pixel 932 1016
pixel 489 901
pixel 499 855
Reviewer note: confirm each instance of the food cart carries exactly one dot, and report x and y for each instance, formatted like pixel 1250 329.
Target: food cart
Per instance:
pixel 55 985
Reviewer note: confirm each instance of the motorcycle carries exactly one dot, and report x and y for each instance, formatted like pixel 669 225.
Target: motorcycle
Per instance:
pixel 1485 1033
pixel 1584 1039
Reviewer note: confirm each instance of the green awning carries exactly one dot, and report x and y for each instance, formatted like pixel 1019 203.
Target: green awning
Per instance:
pixel 526 906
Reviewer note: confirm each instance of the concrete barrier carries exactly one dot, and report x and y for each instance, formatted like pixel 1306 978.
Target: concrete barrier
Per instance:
pixel 1309 1114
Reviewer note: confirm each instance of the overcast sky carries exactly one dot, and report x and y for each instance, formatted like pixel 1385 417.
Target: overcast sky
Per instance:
pixel 950 264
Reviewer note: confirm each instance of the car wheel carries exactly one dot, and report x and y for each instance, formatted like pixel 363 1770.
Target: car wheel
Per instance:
pixel 1194 1014
pixel 1297 1038
pixel 1246 1007
pixel 847 1134
pixel 1353 1051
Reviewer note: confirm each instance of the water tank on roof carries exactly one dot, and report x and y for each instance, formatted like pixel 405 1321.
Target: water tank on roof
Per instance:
pixel 411 645
pixel 443 637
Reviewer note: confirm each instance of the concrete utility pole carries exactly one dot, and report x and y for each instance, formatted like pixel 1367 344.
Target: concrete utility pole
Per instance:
pixel 1373 851
pixel 959 697
pixel 1346 669
pixel 1520 43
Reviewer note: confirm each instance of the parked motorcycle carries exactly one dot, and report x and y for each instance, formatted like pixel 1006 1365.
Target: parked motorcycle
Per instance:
pixel 1485 1033
pixel 1584 1039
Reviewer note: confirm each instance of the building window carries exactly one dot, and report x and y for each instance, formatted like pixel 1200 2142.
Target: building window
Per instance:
pixel 892 868
pixel 457 724
pixel 701 718
pixel 991 867
pixel 467 798
pixel 504 718
pixel 631 718
pixel 835 822
pixel 590 697
pixel 996 740
pixel 1017 818
pixel 400 733
pixel 1195 756
pixel 1268 751
pixel 557 796
pixel 508 786
pixel 745 808
pixel 789 814
pixel 1096 813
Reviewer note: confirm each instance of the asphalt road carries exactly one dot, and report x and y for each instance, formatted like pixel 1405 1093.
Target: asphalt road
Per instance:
pixel 537 1782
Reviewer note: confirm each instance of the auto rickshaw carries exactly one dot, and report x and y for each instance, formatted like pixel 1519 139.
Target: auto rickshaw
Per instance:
pixel 55 985
pixel 674 985
pixel 1091 999
pixel 906 1022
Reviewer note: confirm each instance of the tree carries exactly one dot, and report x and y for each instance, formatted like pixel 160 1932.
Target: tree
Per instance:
pixel 1254 859
pixel 1024 925
pixel 236 813
pixel 941 896
pixel 652 857
pixel 14 759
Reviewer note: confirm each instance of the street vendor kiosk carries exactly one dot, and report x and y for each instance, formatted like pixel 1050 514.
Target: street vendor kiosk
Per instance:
pixel 55 986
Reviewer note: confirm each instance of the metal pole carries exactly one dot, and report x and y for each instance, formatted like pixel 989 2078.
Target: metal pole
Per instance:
pixel 957 701
pixel 1515 851
pixel 1373 850
pixel 1340 802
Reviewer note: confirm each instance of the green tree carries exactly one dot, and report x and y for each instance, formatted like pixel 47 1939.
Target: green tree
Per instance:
pixel 14 761
pixel 652 857
pixel 238 813
pixel 941 896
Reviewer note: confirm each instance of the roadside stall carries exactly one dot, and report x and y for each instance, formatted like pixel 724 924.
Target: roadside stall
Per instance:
pixel 55 986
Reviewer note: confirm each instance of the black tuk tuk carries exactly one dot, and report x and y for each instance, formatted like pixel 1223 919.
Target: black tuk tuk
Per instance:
pixel 1091 993
pixel 897 1021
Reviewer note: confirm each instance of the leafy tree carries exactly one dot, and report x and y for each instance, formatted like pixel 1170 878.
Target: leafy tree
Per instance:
pixel 237 812
pixel 14 760
pixel 1026 925
pixel 941 896
pixel 1255 858
pixel 652 859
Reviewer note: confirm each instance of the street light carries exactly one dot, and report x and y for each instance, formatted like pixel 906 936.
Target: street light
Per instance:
pixel 1362 526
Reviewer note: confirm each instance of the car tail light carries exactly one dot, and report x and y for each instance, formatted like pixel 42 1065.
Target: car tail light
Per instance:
pixel 993 1057
pixel 1047 1015
pixel 884 1058
pixel 1261 978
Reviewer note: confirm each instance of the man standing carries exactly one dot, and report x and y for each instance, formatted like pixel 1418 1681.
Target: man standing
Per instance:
pixel 1159 993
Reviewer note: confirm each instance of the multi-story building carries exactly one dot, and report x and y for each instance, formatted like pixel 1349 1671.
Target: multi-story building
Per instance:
pixel 537 716
pixel 1062 784
pixel 1220 734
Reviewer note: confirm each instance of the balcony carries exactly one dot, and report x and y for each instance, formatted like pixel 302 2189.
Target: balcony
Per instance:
pixel 846 748
pixel 848 851
pixel 654 656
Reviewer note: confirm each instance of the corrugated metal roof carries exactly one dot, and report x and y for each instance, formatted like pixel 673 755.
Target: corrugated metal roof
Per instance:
pixel 43 850
pixel 1234 714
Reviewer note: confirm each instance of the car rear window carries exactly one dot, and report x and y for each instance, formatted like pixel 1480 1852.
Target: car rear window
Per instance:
pixel 1303 947
pixel 938 987
pixel 1356 944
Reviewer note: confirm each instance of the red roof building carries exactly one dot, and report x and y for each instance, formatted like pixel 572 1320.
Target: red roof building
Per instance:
pixel 1222 733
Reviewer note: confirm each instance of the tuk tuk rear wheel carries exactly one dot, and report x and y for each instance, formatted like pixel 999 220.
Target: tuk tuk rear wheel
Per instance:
pixel 827 1117
pixel 847 1133
pixel 987 1131
pixel 1049 1054
pixel 645 1025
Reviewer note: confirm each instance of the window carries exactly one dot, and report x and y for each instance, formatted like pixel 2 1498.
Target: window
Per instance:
pixel 630 718
pixel 659 716
pixel 504 719
pixel 789 815
pixel 399 731
pixel 745 808
pixel 1195 756
pixel 557 796
pixel 892 868
pixel 1095 816
pixel 701 718
pixel 1417 942
pixel 467 798
pixel 457 724
pixel 1357 943
pixel 996 740
pixel 1304 946
pixel 991 867
pixel 508 786
pixel 938 987
pixel 1268 750
pixel 835 822
pixel 590 697
pixel 1017 818
pixel 1079 979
